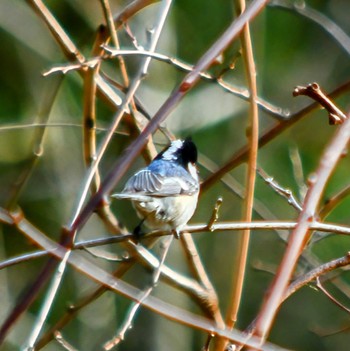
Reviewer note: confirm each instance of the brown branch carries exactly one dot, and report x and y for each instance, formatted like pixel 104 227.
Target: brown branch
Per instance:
pixel 89 122
pixel 193 229
pixel 241 255
pixel 113 34
pixel 334 201
pixel 209 301
pixel 331 297
pixel 316 273
pixel 336 116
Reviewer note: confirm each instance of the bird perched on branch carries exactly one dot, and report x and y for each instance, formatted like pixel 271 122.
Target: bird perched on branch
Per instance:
pixel 165 193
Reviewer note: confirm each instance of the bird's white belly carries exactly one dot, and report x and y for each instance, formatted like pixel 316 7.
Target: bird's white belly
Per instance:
pixel 166 213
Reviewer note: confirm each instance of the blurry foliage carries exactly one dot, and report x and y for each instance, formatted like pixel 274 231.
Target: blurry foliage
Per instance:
pixel 289 49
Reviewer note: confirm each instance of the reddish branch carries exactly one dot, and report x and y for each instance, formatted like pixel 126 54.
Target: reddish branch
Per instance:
pixel 336 116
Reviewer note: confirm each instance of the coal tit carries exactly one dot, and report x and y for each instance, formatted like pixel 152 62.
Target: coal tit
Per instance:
pixel 165 193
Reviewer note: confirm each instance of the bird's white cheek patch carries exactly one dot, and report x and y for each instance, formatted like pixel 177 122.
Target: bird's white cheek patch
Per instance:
pixel 193 171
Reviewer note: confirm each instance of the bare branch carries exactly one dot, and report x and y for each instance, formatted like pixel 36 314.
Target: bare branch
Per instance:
pixel 241 256
pixel 286 193
pixel 336 116
pixel 316 273
pixel 334 300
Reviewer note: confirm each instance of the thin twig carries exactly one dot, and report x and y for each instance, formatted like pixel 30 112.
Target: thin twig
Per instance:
pixel 298 173
pixel 332 298
pixel 130 10
pixel 316 273
pixel 5 128
pixel 45 307
pixel 89 118
pixel 237 91
pixel 108 256
pixel 334 201
pixel 209 300
pixel 286 193
pixel 113 33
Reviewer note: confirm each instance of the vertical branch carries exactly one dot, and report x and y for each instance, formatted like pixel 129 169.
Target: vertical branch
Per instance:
pixel 89 117
pixel 253 136
pixel 90 87
pixel 200 274
pixel 113 33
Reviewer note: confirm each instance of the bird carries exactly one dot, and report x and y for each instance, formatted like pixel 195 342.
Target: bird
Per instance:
pixel 165 193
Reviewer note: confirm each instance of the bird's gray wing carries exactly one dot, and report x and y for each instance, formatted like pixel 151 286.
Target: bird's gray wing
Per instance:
pixel 148 183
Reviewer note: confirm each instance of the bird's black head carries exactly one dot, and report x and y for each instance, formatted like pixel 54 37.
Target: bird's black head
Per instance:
pixel 188 151
pixel 182 151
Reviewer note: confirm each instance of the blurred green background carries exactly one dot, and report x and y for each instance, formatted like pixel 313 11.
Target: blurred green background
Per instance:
pixel 290 50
